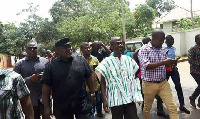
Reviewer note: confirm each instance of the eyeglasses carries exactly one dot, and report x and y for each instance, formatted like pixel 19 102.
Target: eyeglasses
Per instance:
pixel 32 48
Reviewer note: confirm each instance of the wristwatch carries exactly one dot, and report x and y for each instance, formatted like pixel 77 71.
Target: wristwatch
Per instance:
pixel 93 94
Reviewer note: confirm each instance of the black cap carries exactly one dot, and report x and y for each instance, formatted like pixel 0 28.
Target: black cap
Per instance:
pixel 62 42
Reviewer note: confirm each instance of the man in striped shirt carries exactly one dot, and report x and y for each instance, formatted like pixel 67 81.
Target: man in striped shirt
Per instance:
pixel 118 84
pixel 12 90
pixel 153 59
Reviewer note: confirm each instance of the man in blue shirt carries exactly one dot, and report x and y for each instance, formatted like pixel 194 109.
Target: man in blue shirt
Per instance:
pixel 173 72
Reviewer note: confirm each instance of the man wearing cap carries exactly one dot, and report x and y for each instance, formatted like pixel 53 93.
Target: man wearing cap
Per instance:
pixel 31 68
pixel 65 76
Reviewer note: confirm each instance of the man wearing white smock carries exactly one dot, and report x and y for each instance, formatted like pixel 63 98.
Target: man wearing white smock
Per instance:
pixel 119 88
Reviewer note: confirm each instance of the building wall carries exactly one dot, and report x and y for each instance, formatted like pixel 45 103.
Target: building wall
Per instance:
pixel 183 41
pixel 167 27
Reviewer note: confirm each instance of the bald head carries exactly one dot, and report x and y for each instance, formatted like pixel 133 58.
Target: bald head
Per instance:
pixel 158 34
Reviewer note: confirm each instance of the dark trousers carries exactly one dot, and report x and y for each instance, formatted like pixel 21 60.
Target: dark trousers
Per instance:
pixel 98 101
pixel 71 116
pixel 174 74
pixel 197 90
pixel 38 110
pixel 159 100
pixel 126 111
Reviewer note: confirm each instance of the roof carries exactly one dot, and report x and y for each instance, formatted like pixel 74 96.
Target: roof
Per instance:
pixel 176 14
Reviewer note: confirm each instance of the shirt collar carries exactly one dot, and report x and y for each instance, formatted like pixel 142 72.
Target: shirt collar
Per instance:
pixel 59 59
pixel 27 58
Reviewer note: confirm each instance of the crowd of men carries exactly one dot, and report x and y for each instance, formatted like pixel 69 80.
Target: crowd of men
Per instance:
pixel 79 83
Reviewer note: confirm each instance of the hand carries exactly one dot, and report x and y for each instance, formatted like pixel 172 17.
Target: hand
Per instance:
pixel 35 77
pixel 47 112
pixel 105 106
pixel 169 62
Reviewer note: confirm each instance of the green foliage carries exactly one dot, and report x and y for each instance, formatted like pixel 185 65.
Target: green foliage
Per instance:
pixel 186 24
pixel 91 20
pixel 161 5
pixel 144 15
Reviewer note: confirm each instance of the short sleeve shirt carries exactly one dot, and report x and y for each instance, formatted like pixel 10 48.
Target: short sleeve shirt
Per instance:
pixel 67 79
pixel 121 87
pixel 12 88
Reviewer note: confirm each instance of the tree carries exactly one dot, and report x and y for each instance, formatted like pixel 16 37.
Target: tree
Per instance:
pixel 144 16
pixel 90 20
pixel 161 5
pixel 186 24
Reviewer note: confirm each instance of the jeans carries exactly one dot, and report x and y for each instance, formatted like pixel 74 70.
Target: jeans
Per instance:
pixel 197 90
pixel 98 103
pixel 174 74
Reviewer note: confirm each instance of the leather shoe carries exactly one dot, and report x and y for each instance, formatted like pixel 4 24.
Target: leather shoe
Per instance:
pixel 162 114
pixel 182 108
pixel 192 102
pixel 100 114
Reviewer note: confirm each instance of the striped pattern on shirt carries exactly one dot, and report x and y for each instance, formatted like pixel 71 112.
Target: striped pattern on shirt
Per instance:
pixel 12 88
pixel 121 86
pixel 149 54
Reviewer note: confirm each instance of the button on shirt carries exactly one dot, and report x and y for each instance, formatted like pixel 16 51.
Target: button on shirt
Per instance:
pixel 171 52
pixel 194 59
pixel 26 68
pixel 12 88
pixel 67 80
pixel 121 86
pixel 149 54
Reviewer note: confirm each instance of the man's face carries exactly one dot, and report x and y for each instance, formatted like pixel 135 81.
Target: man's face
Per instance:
pixel 65 51
pixel 117 46
pixel 31 50
pixel 86 50
pixel 157 42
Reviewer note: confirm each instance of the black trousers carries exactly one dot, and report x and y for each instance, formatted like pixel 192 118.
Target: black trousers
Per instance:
pixel 126 111
pixel 197 90
pixel 38 110
pixel 174 74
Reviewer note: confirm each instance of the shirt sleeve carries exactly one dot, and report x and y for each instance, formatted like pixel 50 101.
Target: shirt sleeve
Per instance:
pixel 143 58
pixel 47 76
pixel 22 89
pixel 191 57
pixel 102 67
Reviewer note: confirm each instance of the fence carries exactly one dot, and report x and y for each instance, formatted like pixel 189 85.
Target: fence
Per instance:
pixel 5 61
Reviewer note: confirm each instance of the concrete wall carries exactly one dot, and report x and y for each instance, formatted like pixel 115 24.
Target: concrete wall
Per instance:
pixel 183 41
pixel 167 27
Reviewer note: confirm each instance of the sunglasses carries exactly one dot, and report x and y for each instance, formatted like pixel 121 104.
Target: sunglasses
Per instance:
pixel 32 48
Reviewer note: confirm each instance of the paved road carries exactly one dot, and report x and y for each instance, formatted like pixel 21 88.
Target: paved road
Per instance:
pixel 188 85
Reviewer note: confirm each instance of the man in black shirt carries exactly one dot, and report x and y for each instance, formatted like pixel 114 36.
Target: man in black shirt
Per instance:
pixel 66 77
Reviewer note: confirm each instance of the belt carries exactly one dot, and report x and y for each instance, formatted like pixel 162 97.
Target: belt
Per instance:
pixel 156 81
